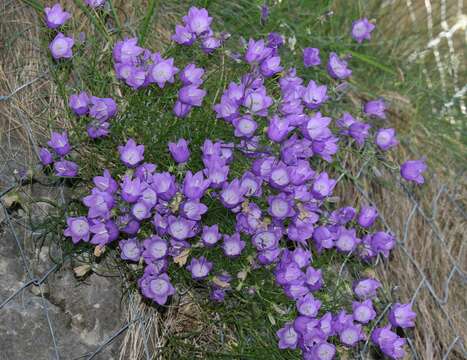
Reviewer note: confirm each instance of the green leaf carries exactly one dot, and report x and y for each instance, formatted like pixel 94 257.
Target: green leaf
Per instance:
pixel 147 19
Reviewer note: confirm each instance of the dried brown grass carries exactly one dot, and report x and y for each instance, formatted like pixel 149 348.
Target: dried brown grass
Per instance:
pixel 421 269
pixel 24 115
pixel 182 330
pixel 429 265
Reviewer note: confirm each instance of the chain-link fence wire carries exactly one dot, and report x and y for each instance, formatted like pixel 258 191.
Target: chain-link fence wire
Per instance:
pixel 442 22
pixel 433 34
pixel 450 334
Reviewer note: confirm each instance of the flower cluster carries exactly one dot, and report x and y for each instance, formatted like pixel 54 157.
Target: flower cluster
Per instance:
pixel 117 209
pixel 60 147
pixel 197 25
pixel 100 110
pixel 280 203
pixel 140 68
pixel 55 16
pixel 61 46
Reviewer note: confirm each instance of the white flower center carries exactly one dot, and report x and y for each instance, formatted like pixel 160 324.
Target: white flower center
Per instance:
pixel 384 137
pixel 325 353
pixel 362 313
pixel 250 185
pixel 265 240
pixel 80 227
pixel 60 46
pixel 349 336
pixel 131 250
pixel 307 309
pixel 125 72
pixel 320 187
pixel 280 207
pixel 359 29
pixel 159 286
pixel 150 196
pixel 290 336
pixel 210 238
pixel 246 126
pixel 130 157
pixel 179 230
pixel 158 249
pixel 232 248
pixel 139 211
pixel 345 242
pixel 280 177
pixel 54 16
pixel 198 25
pixel 229 196
pixel 161 72
pixel 200 270
pixel 254 101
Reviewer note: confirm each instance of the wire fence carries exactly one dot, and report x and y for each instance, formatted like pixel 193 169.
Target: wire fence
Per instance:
pixel 455 329
pixel 445 289
pixel 444 24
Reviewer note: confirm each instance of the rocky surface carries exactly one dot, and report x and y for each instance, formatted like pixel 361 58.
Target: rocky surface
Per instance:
pixel 82 314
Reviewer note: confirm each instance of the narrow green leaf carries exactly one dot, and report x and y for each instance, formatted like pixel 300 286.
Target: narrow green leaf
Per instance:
pixel 118 25
pixel 146 21
pixel 34 4
pixel 372 62
pixel 97 22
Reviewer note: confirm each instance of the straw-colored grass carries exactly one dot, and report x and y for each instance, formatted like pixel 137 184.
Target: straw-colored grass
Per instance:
pixel 430 221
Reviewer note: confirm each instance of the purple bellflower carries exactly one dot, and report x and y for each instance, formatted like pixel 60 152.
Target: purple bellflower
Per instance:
pixel 361 30
pixel 78 229
pixel 156 287
pixel 59 143
pixel 412 170
pixel 56 16
pixel 375 108
pixel 401 315
pixel 130 249
pixel 66 168
pixel 337 67
pixel 311 57
pixel 102 109
pixel 366 288
pixel 210 235
pixel 180 151
pixel 131 154
pixel 386 139
pixel 197 20
pixel 79 103
pixel 233 245
pixel 61 47
pixel 199 268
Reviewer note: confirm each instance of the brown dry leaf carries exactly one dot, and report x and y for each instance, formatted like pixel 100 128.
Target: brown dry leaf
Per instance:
pixel 369 272
pixel 10 199
pixel 271 319
pixel 99 250
pixel 266 221
pixel 279 310
pixel 182 258
pixel 245 206
pixel 242 275
pixel 82 270
pixel 220 283
pixel 175 204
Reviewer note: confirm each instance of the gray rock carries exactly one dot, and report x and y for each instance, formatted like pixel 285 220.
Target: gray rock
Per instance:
pixel 82 314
